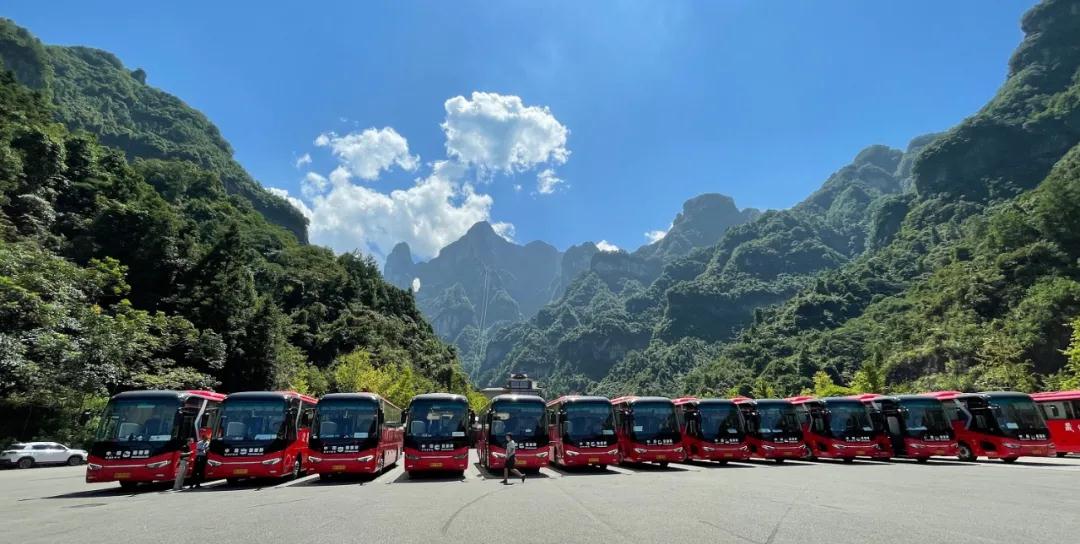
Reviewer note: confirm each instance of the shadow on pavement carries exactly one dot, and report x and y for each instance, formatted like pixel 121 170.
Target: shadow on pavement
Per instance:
pixel 650 467
pixel 583 471
pixel 530 474
pixel 786 463
pixel 716 464
pixel 111 491
pixel 428 477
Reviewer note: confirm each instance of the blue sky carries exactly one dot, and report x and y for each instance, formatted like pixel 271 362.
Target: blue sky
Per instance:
pixel 659 101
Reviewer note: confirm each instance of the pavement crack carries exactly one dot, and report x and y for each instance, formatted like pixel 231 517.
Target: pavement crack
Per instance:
pixel 725 531
pixel 779 522
pixel 592 515
pixel 446 526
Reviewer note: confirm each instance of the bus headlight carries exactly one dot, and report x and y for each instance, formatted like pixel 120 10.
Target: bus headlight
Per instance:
pixel 571 453
pixel 613 452
pixel 542 454
pixel 640 450
pixel 707 448
pixel 412 457
pixel 459 456
pixel 92 466
pixel 1011 445
pixel 273 461
pixel 365 458
pixel 498 455
pixel 767 447
pixel 213 463
pixel 314 459
pixel 158 464
pixel 678 449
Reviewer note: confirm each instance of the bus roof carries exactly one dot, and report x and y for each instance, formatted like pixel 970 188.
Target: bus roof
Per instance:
pixel 803 399
pixel 1049 396
pixel 866 396
pixel 283 395
pixel 694 400
pixel 170 394
pixel 631 399
pixel 570 399
pixel 439 396
pixel 356 396
pixel 517 397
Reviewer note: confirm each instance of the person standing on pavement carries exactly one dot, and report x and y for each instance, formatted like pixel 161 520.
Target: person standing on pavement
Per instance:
pixel 511 460
pixel 202 448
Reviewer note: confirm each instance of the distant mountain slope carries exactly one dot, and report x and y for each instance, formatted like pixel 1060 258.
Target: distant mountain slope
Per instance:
pixel 629 316
pixel 92 90
pixel 482 282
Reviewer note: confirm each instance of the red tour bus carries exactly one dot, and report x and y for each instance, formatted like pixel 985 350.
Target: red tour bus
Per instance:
pixel 1061 409
pixel 838 428
pixel 648 430
pixel 773 429
pixel 915 426
pixel 436 433
pixel 581 431
pixel 261 434
pixel 524 417
pixel 354 433
pixel 142 434
pixel 998 425
pixel 712 429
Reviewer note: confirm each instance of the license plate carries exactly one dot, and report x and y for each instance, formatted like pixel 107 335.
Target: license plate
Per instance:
pixel 239 471
pixel 727 456
pixel 860 452
pixel 337 467
pixel 1039 452
pixel 661 457
pixel 122 475
pixel 435 465
pixel 939 452
pixel 594 459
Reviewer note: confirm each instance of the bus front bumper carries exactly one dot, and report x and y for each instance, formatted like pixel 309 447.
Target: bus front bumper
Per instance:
pixel 523 459
pixel 152 469
pixel 920 448
pixel 365 462
pixel 644 454
pixel 770 451
pixel 586 457
pixel 272 466
pixel 721 453
pixel 416 461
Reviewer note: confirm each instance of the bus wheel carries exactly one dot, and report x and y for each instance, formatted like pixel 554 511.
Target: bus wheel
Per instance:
pixel 721 462
pixel 921 459
pixel 128 485
pixel 966 454
pixel 1061 454
pixel 1009 460
pixel 601 467
pixel 232 481
pixel 849 459
pixel 663 464
pixel 779 460
pixel 461 474
pixel 26 462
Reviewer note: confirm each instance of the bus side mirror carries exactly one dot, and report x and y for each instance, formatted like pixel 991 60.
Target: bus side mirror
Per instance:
pixel 84 417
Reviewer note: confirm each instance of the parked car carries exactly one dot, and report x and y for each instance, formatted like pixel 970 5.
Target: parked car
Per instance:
pixel 30 454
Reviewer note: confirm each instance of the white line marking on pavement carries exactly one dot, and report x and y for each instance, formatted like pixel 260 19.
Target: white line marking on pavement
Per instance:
pixel 307 478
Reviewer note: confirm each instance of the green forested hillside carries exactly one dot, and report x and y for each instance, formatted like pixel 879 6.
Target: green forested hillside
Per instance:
pixel 117 275
pixel 91 90
pixel 953 264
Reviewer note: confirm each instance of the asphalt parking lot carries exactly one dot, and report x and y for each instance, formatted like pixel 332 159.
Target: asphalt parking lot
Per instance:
pixel 945 501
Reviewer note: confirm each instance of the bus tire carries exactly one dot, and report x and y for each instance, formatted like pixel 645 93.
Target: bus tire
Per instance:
pixel 461 474
pixel 74 461
pixel 966 454
pixel 232 481
pixel 779 460
pixel 849 460
pixel 1061 454
pixel 663 464
pixel 128 485
pixel 922 459
pixel 721 462
pixel 601 467
pixel 1009 460
pixel 411 473
pixel 26 462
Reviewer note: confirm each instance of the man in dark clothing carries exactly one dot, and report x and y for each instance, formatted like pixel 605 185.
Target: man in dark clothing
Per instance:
pixel 511 459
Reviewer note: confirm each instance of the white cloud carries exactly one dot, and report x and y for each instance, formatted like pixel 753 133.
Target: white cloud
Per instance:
pixel 429 215
pixel 654 236
pixel 500 133
pixel 517 187
pixel 303 161
pixel 606 246
pixel 312 185
pixel 416 285
pixel 547 182
pixel 296 202
pixel 367 153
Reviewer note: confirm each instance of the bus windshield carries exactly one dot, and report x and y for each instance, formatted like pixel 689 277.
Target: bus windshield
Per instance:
pixel 654 423
pixel 925 417
pixel 849 419
pixel 778 420
pixel 1018 415
pixel 589 421
pixel 719 421
pixel 252 420
pixel 134 420
pixel 523 420
pixel 437 419
pixel 338 421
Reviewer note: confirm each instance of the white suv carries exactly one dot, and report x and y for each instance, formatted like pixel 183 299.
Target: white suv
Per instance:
pixel 29 454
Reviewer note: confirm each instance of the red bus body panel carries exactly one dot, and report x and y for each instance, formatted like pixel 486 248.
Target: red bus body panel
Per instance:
pixel 351 460
pixel 632 451
pixel 992 446
pixel 569 455
pixel 1064 430
pixel 135 469
pixel 451 460
pixel 494 456
pixel 277 464
pixel 769 449
pixel 703 450
pixel 827 447
pixel 924 448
